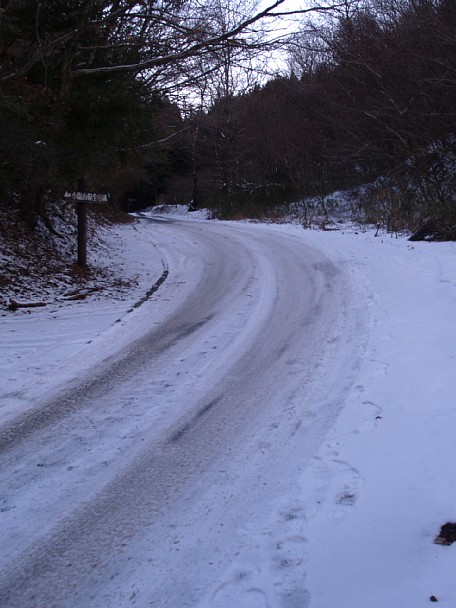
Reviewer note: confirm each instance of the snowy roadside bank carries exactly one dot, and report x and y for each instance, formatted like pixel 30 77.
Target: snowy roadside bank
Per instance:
pixel 362 520
pixel 385 481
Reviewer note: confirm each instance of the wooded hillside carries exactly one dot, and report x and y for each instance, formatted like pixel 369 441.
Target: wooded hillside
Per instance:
pixel 371 99
pixel 89 95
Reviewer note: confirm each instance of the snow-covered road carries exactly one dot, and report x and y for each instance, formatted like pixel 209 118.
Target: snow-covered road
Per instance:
pixel 142 480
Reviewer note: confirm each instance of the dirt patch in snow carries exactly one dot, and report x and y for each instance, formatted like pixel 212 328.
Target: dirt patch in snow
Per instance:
pixel 447 535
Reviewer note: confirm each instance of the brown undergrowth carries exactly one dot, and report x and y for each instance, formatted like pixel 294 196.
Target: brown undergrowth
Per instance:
pixel 40 264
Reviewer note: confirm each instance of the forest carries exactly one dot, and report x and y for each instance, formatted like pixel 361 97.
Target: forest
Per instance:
pixel 169 102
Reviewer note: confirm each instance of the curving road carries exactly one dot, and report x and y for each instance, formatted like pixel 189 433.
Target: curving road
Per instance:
pixel 141 484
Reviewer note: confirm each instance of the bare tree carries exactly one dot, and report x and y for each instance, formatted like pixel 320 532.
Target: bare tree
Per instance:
pixel 144 36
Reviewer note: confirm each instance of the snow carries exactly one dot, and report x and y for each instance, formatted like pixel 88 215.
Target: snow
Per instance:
pixel 356 526
pixel 389 459
pixel 44 347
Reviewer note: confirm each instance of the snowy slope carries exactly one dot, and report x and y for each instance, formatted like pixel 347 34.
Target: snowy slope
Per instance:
pixel 357 528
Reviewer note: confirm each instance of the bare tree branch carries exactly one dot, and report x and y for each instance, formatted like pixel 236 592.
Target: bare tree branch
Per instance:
pixel 200 46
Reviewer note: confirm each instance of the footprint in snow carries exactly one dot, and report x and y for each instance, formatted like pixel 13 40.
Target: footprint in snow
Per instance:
pixel 239 590
pixel 349 482
pixel 288 571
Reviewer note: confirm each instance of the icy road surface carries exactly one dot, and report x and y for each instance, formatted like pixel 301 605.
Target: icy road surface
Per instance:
pixel 142 481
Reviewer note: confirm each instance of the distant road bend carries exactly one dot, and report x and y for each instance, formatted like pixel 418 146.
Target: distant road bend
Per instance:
pixel 141 485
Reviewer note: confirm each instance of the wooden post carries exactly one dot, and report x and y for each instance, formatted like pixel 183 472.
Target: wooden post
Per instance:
pixel 82 199
pixel 82 233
